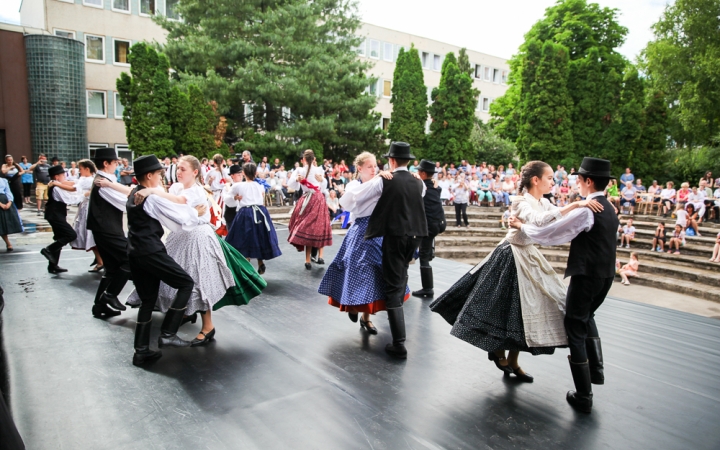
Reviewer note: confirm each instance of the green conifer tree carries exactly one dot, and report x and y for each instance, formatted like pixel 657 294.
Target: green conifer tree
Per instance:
pixel 464 62
pixel 199 137
pixel 409 100
pixel 632 102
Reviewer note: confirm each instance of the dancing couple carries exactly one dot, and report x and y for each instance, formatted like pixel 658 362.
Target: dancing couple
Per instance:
pixel 514 301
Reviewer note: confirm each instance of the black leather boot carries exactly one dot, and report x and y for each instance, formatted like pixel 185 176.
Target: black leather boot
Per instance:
pixel 595 360
pixel 116 285
pixel 168 330
pixel 426 276
pixel 143 353
pixel 581 397
pixel 100 309
pixel 396 317
pixel 49 256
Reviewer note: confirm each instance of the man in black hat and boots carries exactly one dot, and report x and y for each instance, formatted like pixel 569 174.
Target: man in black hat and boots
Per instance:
pixel 399 217
pixel 150 264
pixel 435 216
pixel 105 220
pixel 60 195
pixel 591 268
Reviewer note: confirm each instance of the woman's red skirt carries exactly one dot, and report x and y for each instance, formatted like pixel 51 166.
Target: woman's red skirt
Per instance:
pixel 312 227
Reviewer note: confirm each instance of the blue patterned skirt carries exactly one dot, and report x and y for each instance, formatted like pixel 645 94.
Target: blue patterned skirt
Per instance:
pixel 252 233
pixel 353 281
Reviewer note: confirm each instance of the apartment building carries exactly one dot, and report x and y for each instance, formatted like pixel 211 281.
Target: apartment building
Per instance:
pixel 108 28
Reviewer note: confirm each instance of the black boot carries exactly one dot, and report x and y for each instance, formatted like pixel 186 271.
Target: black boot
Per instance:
pixel 143 353
pixel 49 256
pixel 426 276
pixel 168 330
pixel 54 268
pixel 396 317
pixel 116 285
pixel 581 398
pixel 100 309
pixel 595 360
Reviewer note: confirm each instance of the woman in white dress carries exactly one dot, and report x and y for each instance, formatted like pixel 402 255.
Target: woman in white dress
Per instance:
pixel 85 240
pixel 444 185
pixel 513 300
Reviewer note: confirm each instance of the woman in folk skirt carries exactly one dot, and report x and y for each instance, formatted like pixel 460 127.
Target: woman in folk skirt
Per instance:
pixel 354 281
pixel 252 232
pixel 222 276
pixel 513 300
pixel 9 217
pixel 310 221
pixel 85 240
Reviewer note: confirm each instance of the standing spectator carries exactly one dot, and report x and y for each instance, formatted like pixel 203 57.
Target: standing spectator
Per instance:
pixel 630 269
pixel 572 178
pixel 627 176
pixel 13 172
pixel 414 167
pixel 444 185
pixel 658 243
pixel 246 157
pixel 628 196
pixel 707 178
pixel 716 250
pixel 452 171
pixel 73 173
pixel 460 192
pixel 42 178
pixel 26 179
pixel 667 198
pixel 126 173
pixel 171 171
pixel 628 234
pixel 677 239
pixel 559 174
pixel 118 170
pixel 9 217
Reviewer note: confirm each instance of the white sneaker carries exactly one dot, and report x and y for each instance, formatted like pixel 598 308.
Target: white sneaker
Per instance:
pixel 627 246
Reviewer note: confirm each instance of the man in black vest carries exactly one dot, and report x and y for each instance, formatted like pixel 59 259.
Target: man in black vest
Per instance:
pixel 591 268
pixel 59 197
pixel 105 220
pixel 399 217
pixel 435 216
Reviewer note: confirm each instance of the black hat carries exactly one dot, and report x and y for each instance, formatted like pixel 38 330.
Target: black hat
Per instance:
pixel 55 170
pixel 235 168
pixel 399 150
pixel 105 154
pixel 427 166
pixel 146 164
pixel 595 167
pixel 54 158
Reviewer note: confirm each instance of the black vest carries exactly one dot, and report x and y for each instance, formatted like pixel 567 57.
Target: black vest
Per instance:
pixel 102 216
pixel 400 210
pixel 144 232
pixel 433 209
pixel 55 210
pixel 592 253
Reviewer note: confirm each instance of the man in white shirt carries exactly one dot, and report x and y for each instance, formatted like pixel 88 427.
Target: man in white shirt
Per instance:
pixel 171 172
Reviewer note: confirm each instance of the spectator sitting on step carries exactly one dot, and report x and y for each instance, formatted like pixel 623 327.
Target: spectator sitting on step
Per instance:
pixel 667 198
pixel 692 220
pixel 716 250
pixel 484 193
pixel 658 243
pixel 474 186
pixel 630 269
pixel 683 193
pixel 501 197
pixel 628 196
pixel 628 234
pixel 613 194
pixel 333 204
pixel 677 239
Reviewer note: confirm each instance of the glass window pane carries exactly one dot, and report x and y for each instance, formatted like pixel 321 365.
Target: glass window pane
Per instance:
pixel 171 9
pixel 123 5
pixel 387 51
pixel 94 47
pixel 373 88
pixel 488 74
pixel 96 103
pixel 425 58
pixel 122 48
pixel 119 108
pixel 94 2
pixel 374 49
pixel 436 62
pixel 65 34
pixel 147 7
pixel 478 71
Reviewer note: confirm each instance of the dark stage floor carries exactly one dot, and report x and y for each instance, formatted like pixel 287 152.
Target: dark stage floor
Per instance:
pixel 289 371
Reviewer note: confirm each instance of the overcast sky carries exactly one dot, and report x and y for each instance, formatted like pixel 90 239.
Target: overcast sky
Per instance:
pixel 495 27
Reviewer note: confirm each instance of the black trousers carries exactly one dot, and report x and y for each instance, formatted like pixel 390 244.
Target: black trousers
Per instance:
pixel 427 250
pixel 584 296
pixel 148 271
pixel 397 253
pixel 461 210
pixel 63 234
pixel 113 251
pixel 229 216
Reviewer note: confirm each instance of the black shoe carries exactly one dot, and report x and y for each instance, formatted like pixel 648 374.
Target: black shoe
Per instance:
pixel 261 269
pixel 396 317
pixel 320 261
pixel 595 360
pixel 581 397
pixel 143 354
pixel 55 269
pixel 424 293
pixel 308 266
pixel 96 269
pixel 146 356
pixel 172 340
pixel 168 330
pixel 396 351
pixel 368 326
pixel 353 317
pixel 192 318
pixel 208 337
pixel 112 301
pixel 49 256
pixel 94 262
pixel 103 312
pixel 525 377
pixel 493 357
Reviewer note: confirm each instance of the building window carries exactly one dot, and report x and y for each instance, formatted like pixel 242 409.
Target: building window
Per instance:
pixel 171 9
pixel 425 60
pixel 121 50
pixel 92 147
pixel 147 7
pixel 94 48
pixel 93 3
pixel 67 1
pixel 65 34
pixel 478 71
pixel 496 75
pixel 121 6
pixel 360 49
pixel 385 123
pixel 485 104
pixel 387 51
pixel 387 88
pixel 119 108
pixel 488 74
pixel 96 106
pixel 436 62
pixel 374 49
pixel 504 77
pixel 123 151
pixel 372 89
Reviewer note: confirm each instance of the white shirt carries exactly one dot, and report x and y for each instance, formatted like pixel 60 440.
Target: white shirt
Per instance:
pixel 228 197
pixel 565 229
pixel 697 198
pixel 84 184
pixel 682 216
pixel 667 194
pixel 294 184
pixel 68 197
pixel 628 230
pixel 173 216
pixel 216 184
pixel 110 195
pixel 194 196
pixel 252 193
pixel 171 173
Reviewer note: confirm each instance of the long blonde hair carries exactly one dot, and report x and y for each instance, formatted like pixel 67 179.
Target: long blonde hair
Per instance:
pixel 360 160
pixel 195 164
pixel 309 157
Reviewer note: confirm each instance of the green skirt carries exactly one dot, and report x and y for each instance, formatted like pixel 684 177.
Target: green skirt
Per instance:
pixel 248 283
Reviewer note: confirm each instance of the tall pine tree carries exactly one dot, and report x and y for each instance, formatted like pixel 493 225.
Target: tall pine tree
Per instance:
pixel 409 100
pixel 630 124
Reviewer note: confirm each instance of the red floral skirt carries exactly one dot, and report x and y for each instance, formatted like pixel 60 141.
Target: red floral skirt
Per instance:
pixel 312 227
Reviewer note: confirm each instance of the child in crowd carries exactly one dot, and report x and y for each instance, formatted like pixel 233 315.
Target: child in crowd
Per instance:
pixel 628 234
pixel 677 239
pixel 630 269
pixel 658 243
